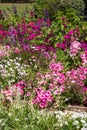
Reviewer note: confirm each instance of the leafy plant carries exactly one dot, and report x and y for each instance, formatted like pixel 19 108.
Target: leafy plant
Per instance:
pixel 51 8
pixel 76 4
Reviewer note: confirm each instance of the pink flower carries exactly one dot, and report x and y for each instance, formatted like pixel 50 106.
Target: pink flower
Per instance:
pixel 28 94
pixel 56 66
pixel 82 56
pixel 74 48
pixel 7 47
pixel 17 51
pixel 21 92
pixel 76 45
pixel 70 32
pixel 56 92
pixel 85 70
pixel 84 89
pixel 68 73
pixel 66 36
pixel 62 89
pixel 31 24
pixel 43 98
pixel 10 99
pixel 2 32
pixel 42 105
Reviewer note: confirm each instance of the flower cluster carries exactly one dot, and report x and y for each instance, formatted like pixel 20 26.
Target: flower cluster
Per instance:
pixel 4 51
pixel 76 120
pixel 11 71
pixel 26 33
pixel 75 78
pixel 43 98
pixel 74 48
pixel 84 58
pixel 10 93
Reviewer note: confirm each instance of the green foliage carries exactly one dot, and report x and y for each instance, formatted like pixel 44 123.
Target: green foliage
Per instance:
pixel 44 7
pixel 23 66
pixel 64 22
pixel 68 62
pixel 22 116
pixel 76 4
pixel 72 16
pixel 70 97
pixel 52 7
pixel 11 15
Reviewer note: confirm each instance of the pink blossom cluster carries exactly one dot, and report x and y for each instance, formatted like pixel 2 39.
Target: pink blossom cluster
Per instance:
pixel 57 74
pixel 53 80
pixel 84 58
pixel 58 78
pixel 13 91
pixel 74 48
pixel 8 93
pixel 17 50
pixel 56 66
pixel 4 51
pixel 43 98
pixel 76 77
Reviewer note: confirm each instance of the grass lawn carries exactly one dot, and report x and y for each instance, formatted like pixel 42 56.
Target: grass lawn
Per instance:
pixel 20 6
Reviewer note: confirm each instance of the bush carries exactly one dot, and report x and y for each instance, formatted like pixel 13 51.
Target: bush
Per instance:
pixel 51 7
pixel 47 8
pixel 76 4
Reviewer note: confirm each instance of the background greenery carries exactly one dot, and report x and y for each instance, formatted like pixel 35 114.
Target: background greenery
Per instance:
pixel 20 6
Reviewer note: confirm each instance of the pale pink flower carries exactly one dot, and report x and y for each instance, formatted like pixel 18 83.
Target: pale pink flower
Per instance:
pixel 28 94
pixel 62 89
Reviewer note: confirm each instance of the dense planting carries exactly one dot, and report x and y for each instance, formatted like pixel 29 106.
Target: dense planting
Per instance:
pixel 43 65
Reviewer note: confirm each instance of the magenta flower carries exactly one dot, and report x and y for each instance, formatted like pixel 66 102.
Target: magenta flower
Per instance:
pixel 84 89
pixel 43 98
pixel 66 36
pixel 70 32
pixel 32 36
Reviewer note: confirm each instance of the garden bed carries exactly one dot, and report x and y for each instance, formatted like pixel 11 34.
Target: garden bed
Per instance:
pixel 43 67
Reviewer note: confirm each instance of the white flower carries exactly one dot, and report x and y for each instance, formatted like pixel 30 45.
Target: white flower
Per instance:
pixel 9 114
pixel 18 64
pixel 3 124
pixel 8 63
pixel 8 74
pixel 66 123
pixel 61 124
pixel 10 60
pixel 78 127
pixel 75 123
pixel 26 126
pixel 85 125
pixel 1 121
pixel 1 66
pixel 16 119
pixel 83 121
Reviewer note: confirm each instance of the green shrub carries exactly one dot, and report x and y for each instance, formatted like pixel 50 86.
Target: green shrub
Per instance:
pixel 44 7
pixel 76 4
pixel 51 7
